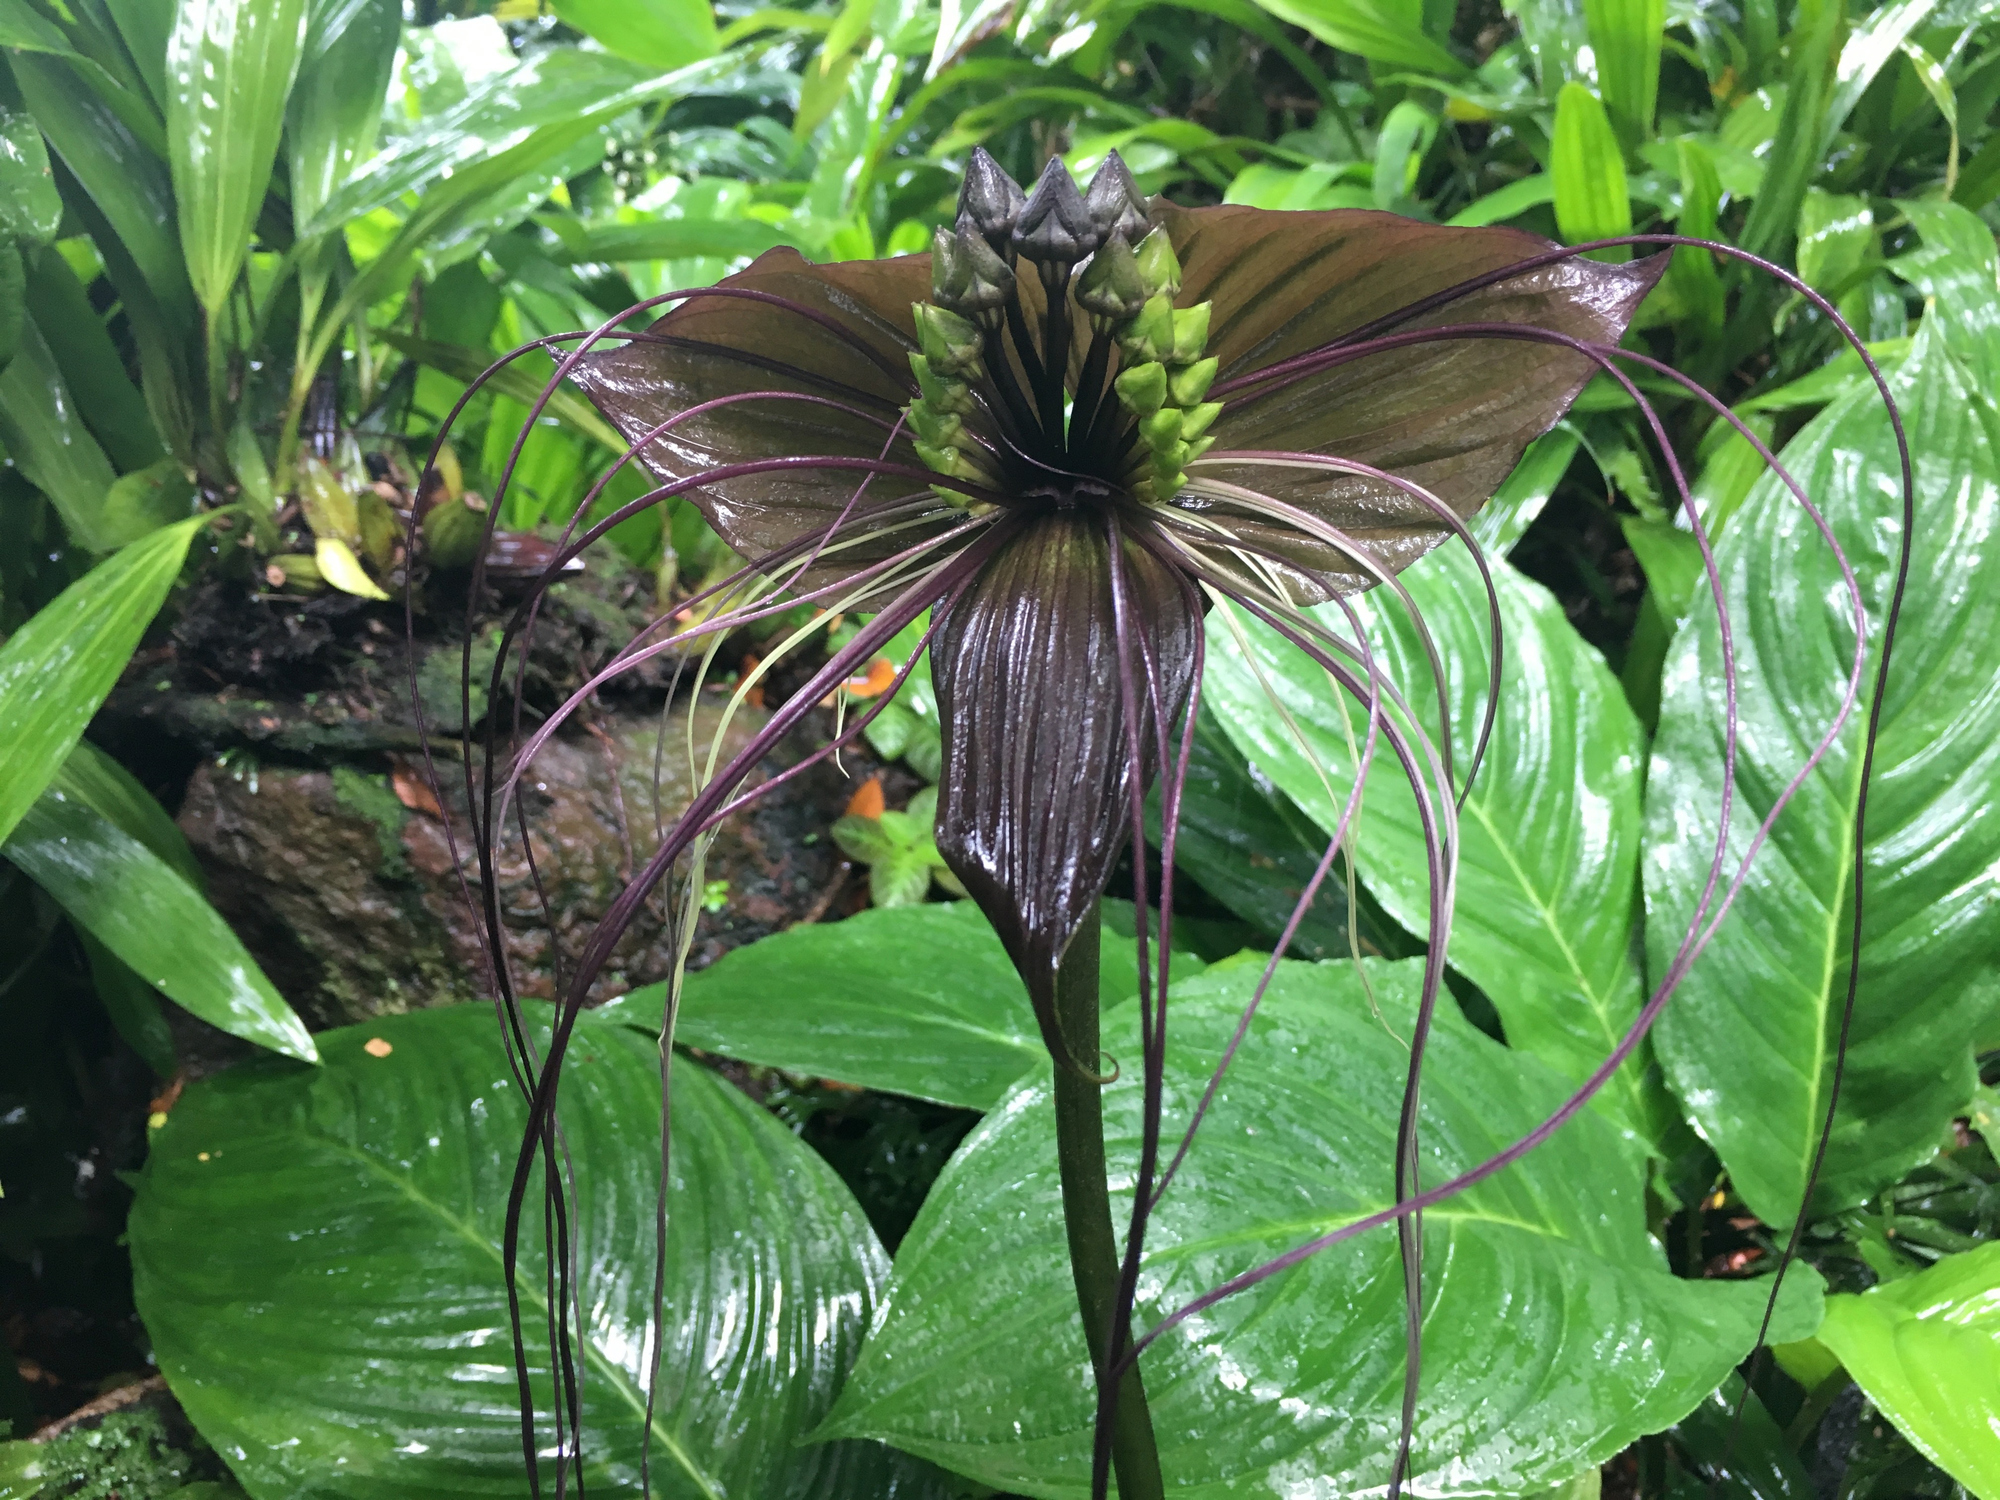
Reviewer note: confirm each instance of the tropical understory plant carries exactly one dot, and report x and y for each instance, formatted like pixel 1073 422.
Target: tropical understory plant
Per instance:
pixel 1079 424
pixel 1571 828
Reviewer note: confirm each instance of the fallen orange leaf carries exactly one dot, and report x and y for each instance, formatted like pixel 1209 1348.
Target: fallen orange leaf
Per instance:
pixel 867 801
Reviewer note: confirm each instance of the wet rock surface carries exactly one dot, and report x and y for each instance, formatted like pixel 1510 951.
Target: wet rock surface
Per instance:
pixel 344 884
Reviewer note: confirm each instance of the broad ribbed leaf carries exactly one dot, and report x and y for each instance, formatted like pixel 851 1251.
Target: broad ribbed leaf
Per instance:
pixel 348 1336
pixel 58 667
pixel 977 1361
pixel 917 1000
pixel 230 65
pixel 1453 416
pixel 1626 37
pixel 337 102
pixel 1956 264
pixel 1926 1349
pixel 1383 33
pixel 143 910
pixel 1034 802
pixel 1547 889
pixel 1747 1042
pixel 727 346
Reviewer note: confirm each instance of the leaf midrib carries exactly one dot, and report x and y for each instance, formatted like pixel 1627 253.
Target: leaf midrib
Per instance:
pixel 613 1373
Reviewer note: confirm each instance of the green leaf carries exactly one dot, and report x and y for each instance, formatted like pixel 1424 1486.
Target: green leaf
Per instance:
pixel 1692 272
pixel 1505 519
pixel 917 1000
pixel 1589 170
pixel 1550 832
pixel 1251 848
pixel 1626 37
pixel 109 403
pixel 125 181
pixel 1926 1349
pixel 1505 203
pixel 13 302
pixel 1382 33
pixel 1869 48
pixel 669 239
pixel 1406 135
pixel 1747 1041
pixel 521 380
pixel 147 499
pixel 133 1005
pixel 57 668
pixel 1797 148
pixel 336 102
pixel 30 207
pixel 1957 265
pixel 662 34
pixel 135 904
pixel 976 1360
pixel 230 65
pixel 385 1177
pixel 45 435
pixel 107 788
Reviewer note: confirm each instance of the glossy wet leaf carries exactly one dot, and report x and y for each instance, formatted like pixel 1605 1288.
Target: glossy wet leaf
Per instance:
pixel 1747 1041
pixel 30 209
pixel 1626 37
pixel 57 668
pixel 127 183
pixel 1589 170
pixel 1505 519
pixel 45 435
pixel 1547 873
pixel 917 1000
pixel 349 1334
pixel 336 104
pixel 662 34
pixel 1379 32
pixel 977 1358
pixel 230 65
pixel 144 911
pixel 91 365
pixel 1926 1349
pixel 1956 264
pixel 1251 848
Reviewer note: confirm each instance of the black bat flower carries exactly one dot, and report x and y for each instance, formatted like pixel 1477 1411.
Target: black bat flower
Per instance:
pixel 1071 428
pixel 1120 395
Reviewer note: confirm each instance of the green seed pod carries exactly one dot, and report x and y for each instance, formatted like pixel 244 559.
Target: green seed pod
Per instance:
pixel 1142 390
pixel 1191 332
pixel 1158 263
pixel 1196 419
pixel 1186 387
pixel 942 392
pixel 949 342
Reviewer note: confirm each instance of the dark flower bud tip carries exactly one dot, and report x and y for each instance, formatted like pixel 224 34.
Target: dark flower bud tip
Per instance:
pixel 1115 203
pixel 1054 225
pixel 989 198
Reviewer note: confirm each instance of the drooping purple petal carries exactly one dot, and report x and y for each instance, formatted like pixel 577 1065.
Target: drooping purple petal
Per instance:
pixel 1034 799
pixel 1451 416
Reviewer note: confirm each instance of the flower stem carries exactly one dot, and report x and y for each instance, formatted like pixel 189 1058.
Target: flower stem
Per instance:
pixel 1093 1250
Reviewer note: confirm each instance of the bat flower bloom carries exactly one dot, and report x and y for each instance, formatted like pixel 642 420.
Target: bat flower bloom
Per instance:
pixel 1079 418
pixel 1078 421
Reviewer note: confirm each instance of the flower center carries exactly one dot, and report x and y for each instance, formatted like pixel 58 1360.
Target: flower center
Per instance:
pixel 1092 393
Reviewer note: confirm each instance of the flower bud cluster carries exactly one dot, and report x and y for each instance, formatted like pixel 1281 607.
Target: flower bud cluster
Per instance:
pixel 1166 373
pixel 945 369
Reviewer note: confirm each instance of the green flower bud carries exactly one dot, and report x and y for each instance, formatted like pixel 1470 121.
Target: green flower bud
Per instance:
pixel 1158 263
pixel 1142 389
pixel 1161 429
pixel 1150 335
pixel 937 429
pixel 1195 420
pixel 966 275
pixel 1186 387
pixel 1111 286
pixel 1195 450
pixel 1115 203
pixel 949 342
pixel 1191 332
pixel 943 393
pixel 1054 225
